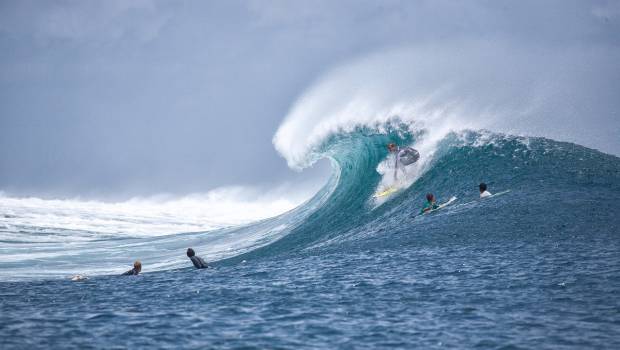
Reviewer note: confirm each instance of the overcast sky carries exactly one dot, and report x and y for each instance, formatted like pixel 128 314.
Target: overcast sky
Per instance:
pixel 104 98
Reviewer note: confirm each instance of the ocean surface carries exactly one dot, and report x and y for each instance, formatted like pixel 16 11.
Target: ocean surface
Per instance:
pixel 536 266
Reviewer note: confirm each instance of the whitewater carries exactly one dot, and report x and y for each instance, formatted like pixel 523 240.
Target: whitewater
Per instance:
pixel 536 267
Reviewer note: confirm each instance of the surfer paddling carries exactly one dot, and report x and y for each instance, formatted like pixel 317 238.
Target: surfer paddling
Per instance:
pixel 431 204
pixel 403 156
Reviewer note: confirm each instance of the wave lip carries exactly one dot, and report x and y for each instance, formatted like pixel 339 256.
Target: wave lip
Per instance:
pixel 457 86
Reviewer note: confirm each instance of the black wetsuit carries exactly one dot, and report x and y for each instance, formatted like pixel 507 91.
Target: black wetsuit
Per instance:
pixel 131 272
pixel 198 262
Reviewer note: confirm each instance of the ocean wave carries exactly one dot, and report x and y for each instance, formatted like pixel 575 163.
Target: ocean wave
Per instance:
pixel 462 106
pixel 342 213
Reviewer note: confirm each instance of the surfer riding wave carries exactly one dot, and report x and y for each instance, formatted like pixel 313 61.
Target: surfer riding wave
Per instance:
pixel 403 156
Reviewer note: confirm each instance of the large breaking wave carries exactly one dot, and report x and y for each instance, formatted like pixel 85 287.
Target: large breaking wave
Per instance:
pixel 340 213
pixel 442 102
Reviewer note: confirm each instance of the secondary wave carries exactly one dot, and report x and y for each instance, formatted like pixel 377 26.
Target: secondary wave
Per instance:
pixel 57 238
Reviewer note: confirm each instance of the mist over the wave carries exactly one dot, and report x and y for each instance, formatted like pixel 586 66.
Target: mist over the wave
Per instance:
pixel 566 95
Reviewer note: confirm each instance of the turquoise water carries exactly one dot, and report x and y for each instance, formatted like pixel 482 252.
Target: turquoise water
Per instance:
pixel 536 267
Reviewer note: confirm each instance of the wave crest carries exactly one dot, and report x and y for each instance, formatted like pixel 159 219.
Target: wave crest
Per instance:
pixel 473 85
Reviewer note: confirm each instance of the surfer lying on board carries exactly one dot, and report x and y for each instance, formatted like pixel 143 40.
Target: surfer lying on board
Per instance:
pixel 431 204
pixel 198 262
pixel 402 157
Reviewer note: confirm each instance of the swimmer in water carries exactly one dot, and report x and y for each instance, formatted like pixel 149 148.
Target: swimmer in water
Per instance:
pixel 483 190
pixel 137 267
pixel 198 262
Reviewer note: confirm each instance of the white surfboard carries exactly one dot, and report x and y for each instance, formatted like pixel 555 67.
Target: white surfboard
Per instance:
pixel 496 194
pixel 441 206
pixel 445 204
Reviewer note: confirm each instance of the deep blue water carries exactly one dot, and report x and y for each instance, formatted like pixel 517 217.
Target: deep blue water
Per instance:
pixel 537 267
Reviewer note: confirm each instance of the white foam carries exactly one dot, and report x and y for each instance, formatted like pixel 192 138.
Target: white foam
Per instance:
pixel 152 216
pixel 63 238
pixel 457 86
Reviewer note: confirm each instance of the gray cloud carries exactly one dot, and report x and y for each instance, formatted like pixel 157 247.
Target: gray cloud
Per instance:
pixel 607 10
pixel 95 22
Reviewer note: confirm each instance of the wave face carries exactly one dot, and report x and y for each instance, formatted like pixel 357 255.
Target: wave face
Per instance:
pixel 543 180
pixel 444 101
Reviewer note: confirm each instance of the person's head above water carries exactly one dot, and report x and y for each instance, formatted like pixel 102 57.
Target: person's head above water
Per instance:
pixel 430 197
pixel 198 262
pixel 483 187
pixel 137 265
pixel 392 147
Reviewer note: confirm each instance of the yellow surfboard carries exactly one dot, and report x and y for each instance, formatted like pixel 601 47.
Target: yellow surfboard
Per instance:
pixel 386 192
